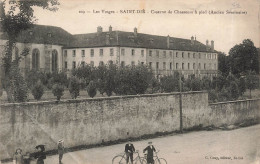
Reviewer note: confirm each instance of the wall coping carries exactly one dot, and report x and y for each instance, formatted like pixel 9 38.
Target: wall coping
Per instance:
pixel 226 102
pixel 98 99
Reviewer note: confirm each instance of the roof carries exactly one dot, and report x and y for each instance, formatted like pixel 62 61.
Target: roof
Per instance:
pixel 140 40
pixel 41 34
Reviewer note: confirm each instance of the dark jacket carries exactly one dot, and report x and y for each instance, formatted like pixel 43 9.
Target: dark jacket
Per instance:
pixel 129 148
pixel 150 151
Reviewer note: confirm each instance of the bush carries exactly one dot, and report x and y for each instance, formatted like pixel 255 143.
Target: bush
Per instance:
pixel 58 90
pixel 92 91
pixel 212 96
pixel 74 87
pixel 233 90
pixel 38 90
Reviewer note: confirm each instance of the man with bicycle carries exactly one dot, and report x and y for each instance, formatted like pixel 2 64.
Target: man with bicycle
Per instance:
pixel 129 150
pixel 150 149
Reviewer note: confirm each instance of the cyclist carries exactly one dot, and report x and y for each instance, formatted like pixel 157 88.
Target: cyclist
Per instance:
pixel 129 150
pixel 150 149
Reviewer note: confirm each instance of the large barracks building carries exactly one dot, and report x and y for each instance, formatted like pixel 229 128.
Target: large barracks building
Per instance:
pixel 54 49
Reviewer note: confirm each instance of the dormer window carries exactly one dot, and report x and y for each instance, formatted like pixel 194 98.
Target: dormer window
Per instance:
pixel 31 33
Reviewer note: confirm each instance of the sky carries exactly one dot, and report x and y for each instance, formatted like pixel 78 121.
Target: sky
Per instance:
pixel 227 30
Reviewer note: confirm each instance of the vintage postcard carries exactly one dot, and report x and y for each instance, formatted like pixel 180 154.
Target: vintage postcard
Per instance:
pixel 136 81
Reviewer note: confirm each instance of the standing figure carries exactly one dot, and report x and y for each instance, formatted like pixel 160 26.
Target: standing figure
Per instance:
pixel 40 155
pixel 150 149
pixel 129 150
pixel 18 157
pixel 27 158
pixel 60 150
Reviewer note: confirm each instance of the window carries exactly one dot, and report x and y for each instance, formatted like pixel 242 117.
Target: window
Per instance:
pixel 182 55
pixel 133 52
pixel 204 65
pixel 150 53
pixel 157 65
pixel 193 55
pixel 111 52
pixel 122 52
pixel 157 53
pixel 164 65
pixel 142 53
pixel 199 66
pixel 83 53
pixel 122 63
pixel 182 66
pixel 74 53
pixel 31 32
pixel 215 66
pixel 176 54
pixel 188 65
pixel 205 56
pixel 54 59
pixel 83 63
pixel 133 63
pixel 36 59
pixel 49 34
pixel 210 66
pixel 92 52
pixel 150 64
pixel 164 54
pixel 65 53
pixel 110 62
pixel 188 55
pixel 199 56
pixel 101 63
pixel 142 63
pixel 92 63
pixel 177 65
pixel 100 52
pixel 170 66
pixel 73 64
pixel 194 66
pixel 66 65
pixel 171 54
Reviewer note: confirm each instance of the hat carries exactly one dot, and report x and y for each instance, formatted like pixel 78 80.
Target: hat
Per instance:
pixel 60 141
pixel 19 149
pixel 41 147
pixel 150 142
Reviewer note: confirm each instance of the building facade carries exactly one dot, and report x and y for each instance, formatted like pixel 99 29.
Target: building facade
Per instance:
pixel 54 49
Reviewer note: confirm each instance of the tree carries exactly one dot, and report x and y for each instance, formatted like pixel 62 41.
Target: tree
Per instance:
pixel 233 90
pixel 244 57
pixel 92 91
pixel 58 90
pixel 223 63
pixel 169 83
pixel 252 81
pixel 241 85
pixel 19 17
pixel 38 90
pixel 74 87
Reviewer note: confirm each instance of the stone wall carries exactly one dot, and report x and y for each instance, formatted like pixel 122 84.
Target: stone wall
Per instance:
pixel 93 121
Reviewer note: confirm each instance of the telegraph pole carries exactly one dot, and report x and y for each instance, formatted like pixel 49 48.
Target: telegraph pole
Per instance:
pixel 180 84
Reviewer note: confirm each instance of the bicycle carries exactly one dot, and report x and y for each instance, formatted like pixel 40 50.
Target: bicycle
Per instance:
pixel 157 160
pixel 121 159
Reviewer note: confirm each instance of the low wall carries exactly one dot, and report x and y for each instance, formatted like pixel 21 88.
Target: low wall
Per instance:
pixel 93 121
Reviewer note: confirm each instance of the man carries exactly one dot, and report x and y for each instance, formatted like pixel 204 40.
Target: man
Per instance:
pixel 60 150
pixel 18 157
pixel 150 149
pixel 129 150
pixel 40 155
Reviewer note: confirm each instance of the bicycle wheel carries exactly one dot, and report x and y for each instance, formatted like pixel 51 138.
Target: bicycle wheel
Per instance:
pixel 138 161
pixel 119 159
pixel 160 161
pixel 143 160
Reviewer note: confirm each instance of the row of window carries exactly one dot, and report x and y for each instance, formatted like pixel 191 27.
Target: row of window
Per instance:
pixel 182 66
pixel 101 52
pixel 83 63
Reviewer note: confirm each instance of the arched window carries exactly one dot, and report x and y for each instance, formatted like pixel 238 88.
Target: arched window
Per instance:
pixel 54 61
pixel 36 59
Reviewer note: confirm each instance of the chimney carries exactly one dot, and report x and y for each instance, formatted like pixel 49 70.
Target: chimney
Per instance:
pixel 110 28
pixel 192 40
pixel 107 39
pixel 212 44
pixel 195 38
pixel 207 42
pixel 168 41
pixel 135 31
pixel 99 29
